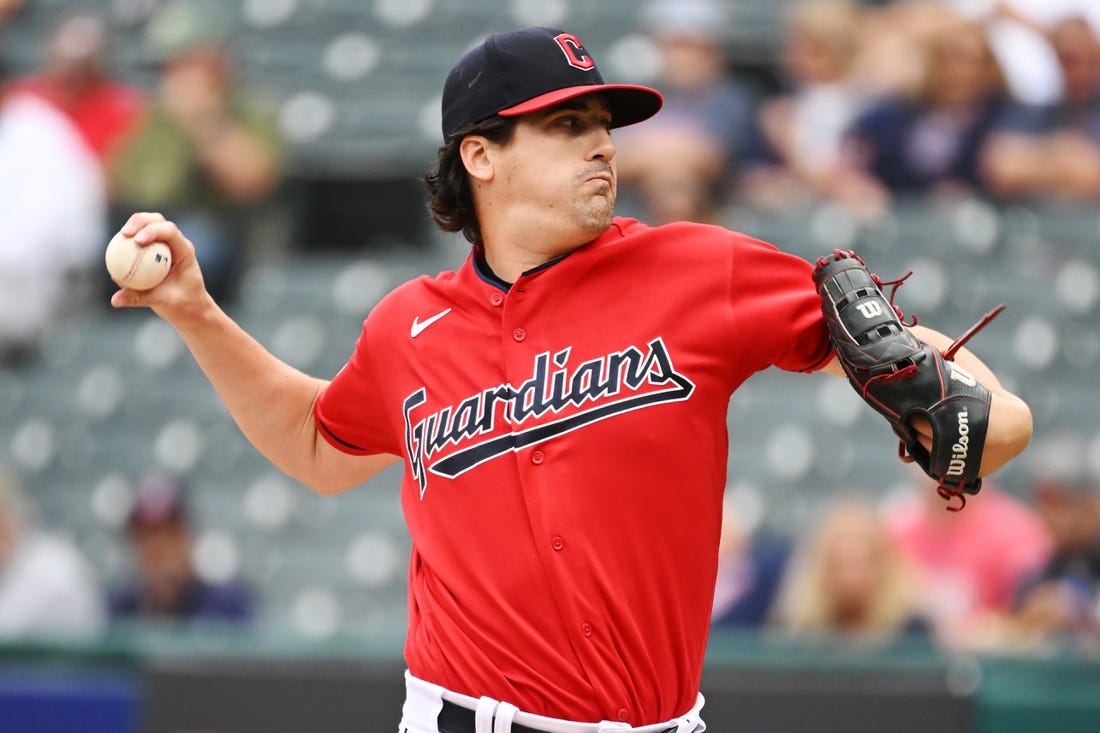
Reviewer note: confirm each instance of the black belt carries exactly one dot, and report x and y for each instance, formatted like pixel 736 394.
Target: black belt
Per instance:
pixel 457 719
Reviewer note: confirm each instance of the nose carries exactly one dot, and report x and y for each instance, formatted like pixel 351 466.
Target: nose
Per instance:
pixel 604 147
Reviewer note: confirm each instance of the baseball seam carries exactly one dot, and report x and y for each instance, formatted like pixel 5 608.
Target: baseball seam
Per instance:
pixel 134 264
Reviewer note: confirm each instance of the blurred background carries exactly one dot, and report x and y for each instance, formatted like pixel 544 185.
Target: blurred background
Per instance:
pixel 156 574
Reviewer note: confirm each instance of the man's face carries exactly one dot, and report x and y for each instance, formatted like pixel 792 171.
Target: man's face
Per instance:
pixel 559 169
pixel 1071 514
pixel 163 552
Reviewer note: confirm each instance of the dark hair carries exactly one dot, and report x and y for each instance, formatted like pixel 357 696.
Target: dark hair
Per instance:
pixel 452 201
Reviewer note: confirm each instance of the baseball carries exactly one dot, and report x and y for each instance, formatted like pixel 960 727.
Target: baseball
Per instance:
pixel 134 267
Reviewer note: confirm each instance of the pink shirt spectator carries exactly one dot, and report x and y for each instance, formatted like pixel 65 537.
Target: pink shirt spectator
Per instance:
pixel 970 562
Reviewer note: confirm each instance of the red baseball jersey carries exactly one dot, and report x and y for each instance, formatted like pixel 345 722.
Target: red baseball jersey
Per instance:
pixel 565 454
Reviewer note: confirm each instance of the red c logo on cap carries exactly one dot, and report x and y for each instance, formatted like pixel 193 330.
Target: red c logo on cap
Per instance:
pixel 574 52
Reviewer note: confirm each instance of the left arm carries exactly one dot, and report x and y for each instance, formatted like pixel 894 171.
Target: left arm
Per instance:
pixel 1010 424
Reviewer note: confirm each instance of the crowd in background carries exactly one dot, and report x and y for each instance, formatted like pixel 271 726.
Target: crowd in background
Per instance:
pixel 863 105
pixel 48 589
pixel 932 98
pixel 873 102
pixel 80 147
pixel 1006 573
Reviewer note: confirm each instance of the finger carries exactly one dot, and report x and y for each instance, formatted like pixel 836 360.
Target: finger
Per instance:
pixel 157 231
pixel 126 298
pixel 138 220
pixel 169 233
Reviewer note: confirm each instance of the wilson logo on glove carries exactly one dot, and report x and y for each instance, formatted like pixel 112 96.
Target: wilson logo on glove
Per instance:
pixel 957 466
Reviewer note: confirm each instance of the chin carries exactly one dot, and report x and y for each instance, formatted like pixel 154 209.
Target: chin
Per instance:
pixel 597 219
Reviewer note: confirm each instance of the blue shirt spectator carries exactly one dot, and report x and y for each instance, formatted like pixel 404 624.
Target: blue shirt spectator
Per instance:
pixel 933 140
pixel 195 600
pixel 166 586
pixel 748 584
pixel 680 164
pixel 909 148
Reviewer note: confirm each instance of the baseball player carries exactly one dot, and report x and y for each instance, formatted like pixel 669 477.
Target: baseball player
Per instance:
pixel 559 404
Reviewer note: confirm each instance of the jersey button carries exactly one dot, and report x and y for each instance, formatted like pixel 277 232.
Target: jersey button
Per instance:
pixel 586 629
pixel 519 334
pixel 558 544
pixel 496 298
pixel 624 715
pixel 538 457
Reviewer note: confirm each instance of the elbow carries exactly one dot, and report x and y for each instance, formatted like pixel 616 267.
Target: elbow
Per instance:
pixel 330 471
pixel 320 482
pixel 1019 425
pixel 1009 433
pixel 317 474
pixel 1023 428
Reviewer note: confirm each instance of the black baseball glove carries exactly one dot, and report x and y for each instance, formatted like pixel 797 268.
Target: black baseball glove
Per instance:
pixel 903 377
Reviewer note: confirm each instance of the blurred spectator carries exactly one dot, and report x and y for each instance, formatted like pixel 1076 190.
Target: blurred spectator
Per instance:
pixel 9 7
pixel 1015 30
pixel 970 562
pixel 208 153
pixel 1054 151
pixel 803 128
pixel 848 579
pixel 931 142
pixel 75 79
pixel 1017 34
pixel 53 213
pixel 1062 600
pixel 1064 597
pixel 46 587
pixel 681 162
pixel 167 587
pixel 890 61
pixel 750 569
pixel 1018 31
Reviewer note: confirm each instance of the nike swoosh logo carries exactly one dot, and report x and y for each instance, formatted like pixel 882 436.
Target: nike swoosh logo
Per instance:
pixel 419 325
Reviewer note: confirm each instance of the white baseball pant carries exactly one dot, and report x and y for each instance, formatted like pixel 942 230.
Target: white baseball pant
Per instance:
pixel 424 701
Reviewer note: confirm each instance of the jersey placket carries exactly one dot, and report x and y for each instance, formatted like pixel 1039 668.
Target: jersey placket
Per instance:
pixel 523 340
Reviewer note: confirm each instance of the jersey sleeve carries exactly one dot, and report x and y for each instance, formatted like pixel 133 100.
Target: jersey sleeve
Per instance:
pixel 350 413
pixel 777 311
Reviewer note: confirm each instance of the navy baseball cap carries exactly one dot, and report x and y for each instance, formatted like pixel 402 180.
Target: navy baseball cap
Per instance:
pixel 158 501
pixel 521 71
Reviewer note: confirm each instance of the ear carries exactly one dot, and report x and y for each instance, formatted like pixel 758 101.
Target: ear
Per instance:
pixel 477 157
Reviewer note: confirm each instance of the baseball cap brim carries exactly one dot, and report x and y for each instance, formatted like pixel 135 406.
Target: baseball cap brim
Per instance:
pixel 630 103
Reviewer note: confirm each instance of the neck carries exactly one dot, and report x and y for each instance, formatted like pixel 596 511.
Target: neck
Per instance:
pixel 511 264
pixel 511 255
pixel 527 238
